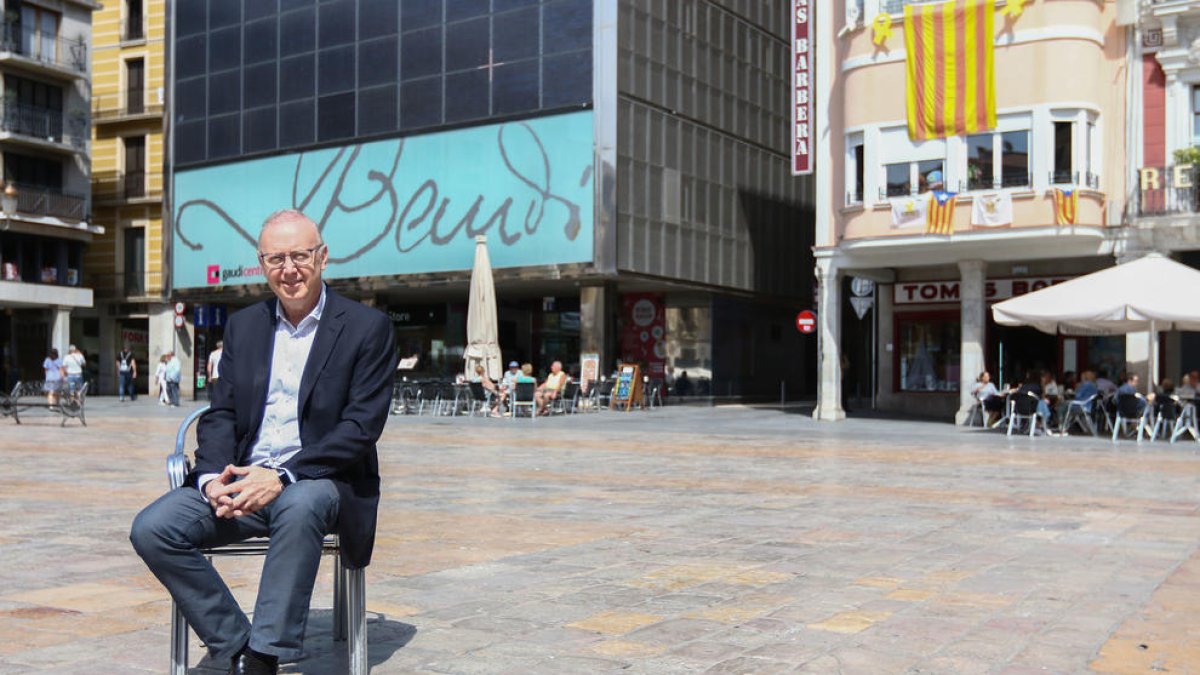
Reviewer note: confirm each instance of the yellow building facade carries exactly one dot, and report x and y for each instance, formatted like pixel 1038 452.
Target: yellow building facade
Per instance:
pixel 125 265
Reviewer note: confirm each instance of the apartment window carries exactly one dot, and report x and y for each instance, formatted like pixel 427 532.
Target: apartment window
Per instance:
pixel 928 357
pixel 998 160
pixel 1063 153
pixel 1196 115
pixel 1088 143
pixel 135 260
pixel 135 81
pixel 133 20
pixel 39 33
pixel 33 171
pixel 855 168
pixel 910 178
pixel 135 166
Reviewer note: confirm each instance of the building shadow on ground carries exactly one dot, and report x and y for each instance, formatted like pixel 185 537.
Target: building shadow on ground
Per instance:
pixel 322 655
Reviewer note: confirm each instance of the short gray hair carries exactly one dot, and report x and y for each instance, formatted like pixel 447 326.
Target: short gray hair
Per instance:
pixel 289 214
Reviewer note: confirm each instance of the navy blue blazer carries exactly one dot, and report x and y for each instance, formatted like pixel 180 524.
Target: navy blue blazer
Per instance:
pixel 345 397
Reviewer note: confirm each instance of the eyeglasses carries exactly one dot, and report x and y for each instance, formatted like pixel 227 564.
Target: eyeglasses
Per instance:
pixel 301 258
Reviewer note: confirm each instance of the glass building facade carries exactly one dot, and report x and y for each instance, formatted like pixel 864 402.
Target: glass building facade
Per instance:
pixel 264 76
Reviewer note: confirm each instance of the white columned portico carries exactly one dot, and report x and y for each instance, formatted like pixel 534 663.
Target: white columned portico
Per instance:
pixel 974 331
pixel 829 336
pixel 60 330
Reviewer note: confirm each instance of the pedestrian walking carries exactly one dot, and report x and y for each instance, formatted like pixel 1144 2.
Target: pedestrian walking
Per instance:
pixel 52 380
pixel 160 378
pixel 214 366
pixel 126 373
pixel 173 375
pixel 73 364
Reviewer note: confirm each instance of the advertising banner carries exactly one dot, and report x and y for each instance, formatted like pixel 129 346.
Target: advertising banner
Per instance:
pixel 400 206
pixel 644 339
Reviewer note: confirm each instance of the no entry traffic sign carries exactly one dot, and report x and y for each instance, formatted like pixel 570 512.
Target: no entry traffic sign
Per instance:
pixel 806 321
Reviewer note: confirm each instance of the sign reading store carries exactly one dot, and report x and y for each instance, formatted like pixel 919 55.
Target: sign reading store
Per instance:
pixel 949 291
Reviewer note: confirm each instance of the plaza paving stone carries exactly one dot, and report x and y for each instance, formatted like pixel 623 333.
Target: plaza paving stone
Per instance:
pixel 685 540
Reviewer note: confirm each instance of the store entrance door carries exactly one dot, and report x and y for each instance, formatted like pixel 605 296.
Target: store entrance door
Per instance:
pixel 1016 350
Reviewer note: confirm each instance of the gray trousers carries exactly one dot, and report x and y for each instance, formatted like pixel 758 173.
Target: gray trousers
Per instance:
pixel 169 533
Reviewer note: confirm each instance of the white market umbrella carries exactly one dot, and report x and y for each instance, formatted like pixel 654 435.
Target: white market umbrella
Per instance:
pixel 1152 293
pixel 483 345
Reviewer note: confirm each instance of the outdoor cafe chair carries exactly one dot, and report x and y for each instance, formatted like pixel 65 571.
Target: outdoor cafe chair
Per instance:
pixel 481 399
pixel 349 585
pixel 1022 409
pixel 567 400
pixel 1079 413
pixel 604 394
pixel 1167 409
pixel 976 412
pixel 1186 422
pixel 1129 416
pixel 523 396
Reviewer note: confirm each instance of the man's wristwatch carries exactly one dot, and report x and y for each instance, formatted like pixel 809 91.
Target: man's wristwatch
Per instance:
pixel 284 479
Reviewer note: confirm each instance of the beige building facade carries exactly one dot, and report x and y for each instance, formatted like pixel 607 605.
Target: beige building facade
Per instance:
pixel 126 264
pixel 903 313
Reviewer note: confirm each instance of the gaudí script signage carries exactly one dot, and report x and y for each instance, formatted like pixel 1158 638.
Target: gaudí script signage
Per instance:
pixel 400 206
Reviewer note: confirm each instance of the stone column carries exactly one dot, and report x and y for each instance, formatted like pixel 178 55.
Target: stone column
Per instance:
pixel 829 337
pixel 110 346
pixel 60 330
pixel 596 323
pixel 974 331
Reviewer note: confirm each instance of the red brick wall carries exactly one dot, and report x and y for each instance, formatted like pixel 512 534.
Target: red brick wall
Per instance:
pixel 1154 120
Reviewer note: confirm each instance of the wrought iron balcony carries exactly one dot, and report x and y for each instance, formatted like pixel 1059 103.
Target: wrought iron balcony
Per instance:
pixel 130 105
pixel 47 48
pixel 116 188
pixel 39 200
pixel 44 124
pixel 117 285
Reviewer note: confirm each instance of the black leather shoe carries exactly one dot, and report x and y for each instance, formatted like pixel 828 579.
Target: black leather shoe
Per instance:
pixel 250 662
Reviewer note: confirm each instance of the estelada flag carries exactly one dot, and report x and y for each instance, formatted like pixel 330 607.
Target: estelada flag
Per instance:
pixel 940 219
pixel 951 68
pixel 1066 206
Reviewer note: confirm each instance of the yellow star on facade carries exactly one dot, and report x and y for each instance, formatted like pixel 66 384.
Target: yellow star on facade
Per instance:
pixel 1014 8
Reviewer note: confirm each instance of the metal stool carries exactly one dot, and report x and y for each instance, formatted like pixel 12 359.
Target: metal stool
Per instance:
pixel 349 585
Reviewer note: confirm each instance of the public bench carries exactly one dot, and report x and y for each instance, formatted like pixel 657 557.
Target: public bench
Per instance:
pixel 33 395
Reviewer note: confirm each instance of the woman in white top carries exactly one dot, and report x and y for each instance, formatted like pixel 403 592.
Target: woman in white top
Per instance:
pixel 160 376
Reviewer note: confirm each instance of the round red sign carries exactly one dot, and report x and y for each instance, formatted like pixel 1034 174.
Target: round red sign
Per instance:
pixel 806 322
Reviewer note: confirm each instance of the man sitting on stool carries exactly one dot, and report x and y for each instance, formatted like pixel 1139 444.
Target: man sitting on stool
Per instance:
pixel 287 450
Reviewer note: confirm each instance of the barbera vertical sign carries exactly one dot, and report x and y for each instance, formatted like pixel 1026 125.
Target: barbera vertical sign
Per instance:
pixel 802 87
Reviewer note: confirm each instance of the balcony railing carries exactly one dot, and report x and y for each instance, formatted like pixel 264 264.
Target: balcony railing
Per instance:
pixel 44 47
pixel 40 123
pixel 132 30
pixel 129 104
pixel 115 285
pixel 121 187
pixel 1088 179
pixel 39 200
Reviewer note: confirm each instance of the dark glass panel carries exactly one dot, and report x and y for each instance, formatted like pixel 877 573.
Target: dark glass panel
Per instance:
pixel 335 70
pixel 465 9
pixel 296 77
pixel 297 32
pixel 505 5
pixel 192 56
pixel 256 9
pixel 515 35
pixel 466 44
pixel 258 85
pixel 567 26
pixel 295 124
pixel 335 116
pixel 224 136
pixel 259 40
pixel 285 5
pixel 258 130
pixel 515 88
pixel 466 96
pixel 222 13
pixel 567 79
pixel 225 49
pixel 378 17
pixel 421 103
pixel 377 62
pixel 421 53
pixel 416 14
pixel 337 23
pixel 191 18
pixel 190 99
pixel 377 112
pixel 190 145
pixel 224 92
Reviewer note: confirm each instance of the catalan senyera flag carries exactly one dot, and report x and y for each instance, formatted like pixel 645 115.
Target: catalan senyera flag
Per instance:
pixel 940 218
pixel 951 68
pixel 1066 205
